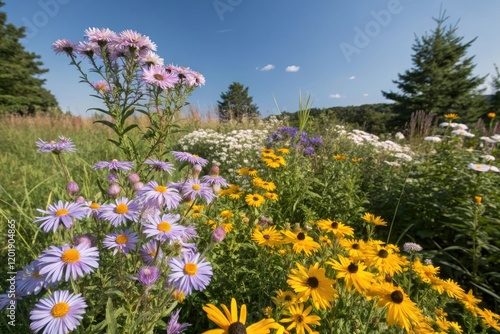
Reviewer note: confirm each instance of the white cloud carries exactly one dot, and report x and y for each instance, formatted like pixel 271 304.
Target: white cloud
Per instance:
pixel 268 67
pixel 352 77
pixel 292 68
pixel 336 96
pixel 365 94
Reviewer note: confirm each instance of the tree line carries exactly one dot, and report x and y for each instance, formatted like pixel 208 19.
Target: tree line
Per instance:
pixel 440 81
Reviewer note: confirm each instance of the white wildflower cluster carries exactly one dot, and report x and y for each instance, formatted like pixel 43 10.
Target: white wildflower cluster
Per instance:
pixel 398 151
pixel 459 129
pixel 495 139
pixel 230 151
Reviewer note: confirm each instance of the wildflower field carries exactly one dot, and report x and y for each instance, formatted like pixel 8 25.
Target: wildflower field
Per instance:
pixel 139 222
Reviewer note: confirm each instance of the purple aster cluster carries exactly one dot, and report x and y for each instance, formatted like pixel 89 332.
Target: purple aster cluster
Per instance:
pixel 160 166
pixel 63 145
pixel 309 144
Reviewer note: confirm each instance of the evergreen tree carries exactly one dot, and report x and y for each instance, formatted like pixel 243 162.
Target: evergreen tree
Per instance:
pixel 495 85
pixel 441 80
pixel 236 104
pixel 21 89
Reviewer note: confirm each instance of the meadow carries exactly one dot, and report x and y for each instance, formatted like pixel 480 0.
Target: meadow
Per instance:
pixel 146 220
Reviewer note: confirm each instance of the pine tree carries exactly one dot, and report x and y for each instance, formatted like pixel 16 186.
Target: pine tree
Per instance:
pixel 21 89
pixel 441 80
pixel 495 85
pixel 236 104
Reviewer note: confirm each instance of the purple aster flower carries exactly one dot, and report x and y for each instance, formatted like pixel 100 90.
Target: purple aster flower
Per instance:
pixel 112 178
pixel 174 327
pixel 63 145
pixel 148 252
pixel 193 159
pixel 163 228
pixel 213 180
pixel 119 212
pixel 59 314
pixel 190 273
pixel 100 36
pixel 150 58
pixel 193 188
pixel 148 275
pixel 102 87
pixel 29 281
pixel 87 239
pixel 60 213
pixel 129 39
pixel 88 49
pixel 63 46
pixel 157 196
pixel 91 209
pixel 158 76
pixel 73 261
pixel 158 165
pixel 411 247
pixel 114 165
pixel 190 77
pixel 121 241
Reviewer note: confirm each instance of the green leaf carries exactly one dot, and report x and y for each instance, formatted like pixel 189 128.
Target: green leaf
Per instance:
pixel 110 318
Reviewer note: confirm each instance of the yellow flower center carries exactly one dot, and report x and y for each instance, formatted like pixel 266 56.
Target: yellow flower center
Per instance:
pixel 152 254
pixel 196 186
pixel 94 206
pixel 479 167
pixel 60 310
pixel 71 255
pixel 161 189
pixel 121 239
pixel 61 212
pixel 36 274
pixel 190 268
pixel 164 227
pixel 121 209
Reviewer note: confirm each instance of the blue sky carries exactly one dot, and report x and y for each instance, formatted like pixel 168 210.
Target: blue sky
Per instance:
pixel 340 52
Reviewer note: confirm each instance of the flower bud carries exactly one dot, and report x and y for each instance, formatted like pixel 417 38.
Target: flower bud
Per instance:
pixel 218 234
pixel 138 186
pixel 114 190
pixel 72 188
pixel 86 239
pixel 80 200
pixel 214 171
pixel 134 178
pixel 197 170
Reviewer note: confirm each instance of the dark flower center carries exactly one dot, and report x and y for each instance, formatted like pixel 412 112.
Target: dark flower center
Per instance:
pixel 355 246
pixel 299 318
pixel 334 225
pixel 352 268
pixel 312 282
pixel 383 253
pixel 288 298
pixel 266 236
pixel 388 278
pixel 301 236
pixel 237 328
pixel 158 76
pixel 397 297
